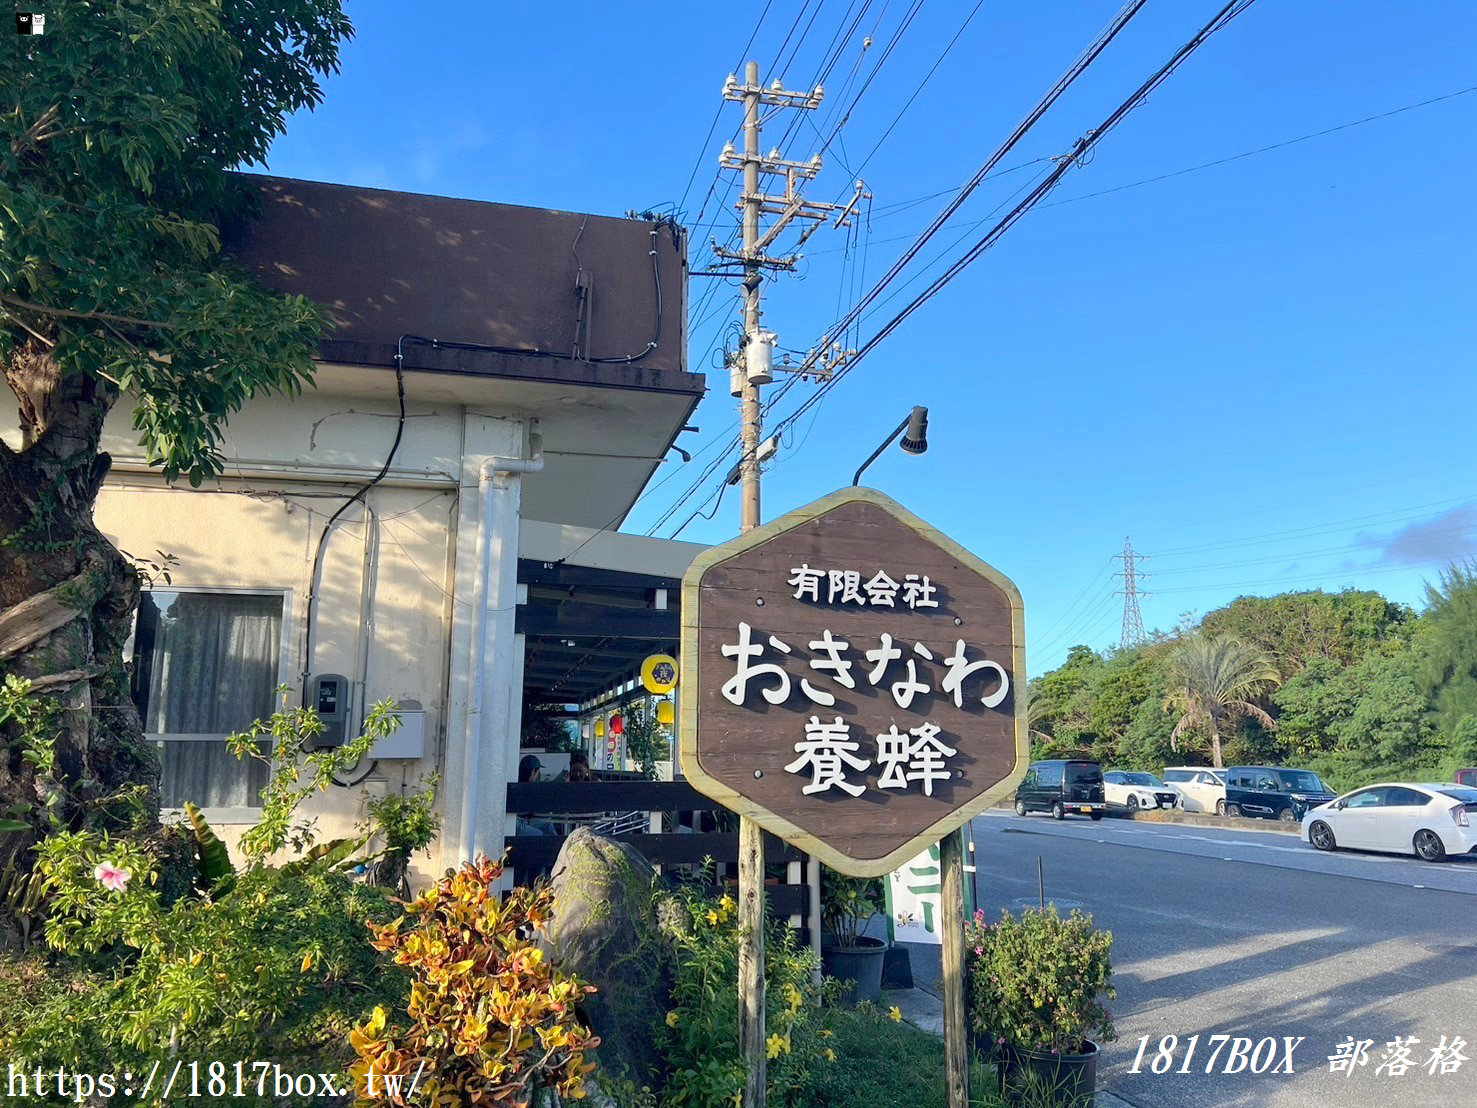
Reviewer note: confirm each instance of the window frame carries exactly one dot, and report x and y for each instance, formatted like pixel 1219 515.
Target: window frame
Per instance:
pixel 236 814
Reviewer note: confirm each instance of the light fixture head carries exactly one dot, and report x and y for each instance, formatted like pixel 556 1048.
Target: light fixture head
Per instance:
pixel 915 437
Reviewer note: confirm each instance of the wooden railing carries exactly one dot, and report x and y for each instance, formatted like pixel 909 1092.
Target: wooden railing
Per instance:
pixel 531 854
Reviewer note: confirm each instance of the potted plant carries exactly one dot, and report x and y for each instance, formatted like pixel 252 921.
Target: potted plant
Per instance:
pixel 978 938
pixel 1038 985
pixel 847 906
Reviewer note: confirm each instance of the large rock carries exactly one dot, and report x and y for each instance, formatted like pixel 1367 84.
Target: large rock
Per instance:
pixel 605 930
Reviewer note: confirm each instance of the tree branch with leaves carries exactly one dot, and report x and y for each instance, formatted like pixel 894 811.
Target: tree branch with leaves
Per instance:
pixel 118 134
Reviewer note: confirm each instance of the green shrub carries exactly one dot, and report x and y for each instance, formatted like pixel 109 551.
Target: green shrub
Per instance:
pixel 407 823
pixel 162 949
pixel 1038 982
pixel 848 905
pixel 700 1036
pixel 279 967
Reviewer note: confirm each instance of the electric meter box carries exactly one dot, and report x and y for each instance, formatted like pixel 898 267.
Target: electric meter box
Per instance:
pixel 409 739
pixel 329 696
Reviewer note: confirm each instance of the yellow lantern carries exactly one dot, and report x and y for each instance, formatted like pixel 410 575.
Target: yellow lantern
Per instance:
pixel 665 712
pixel 600 727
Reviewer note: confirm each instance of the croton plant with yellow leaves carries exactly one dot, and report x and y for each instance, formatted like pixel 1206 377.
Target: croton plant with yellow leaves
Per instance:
pixel 491 1021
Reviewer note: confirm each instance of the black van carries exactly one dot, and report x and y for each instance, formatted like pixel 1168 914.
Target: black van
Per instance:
pixel 1060 786
pixel 1274 792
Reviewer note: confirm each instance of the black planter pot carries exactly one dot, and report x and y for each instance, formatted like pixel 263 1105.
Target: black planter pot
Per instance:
pixel 985 1047
pixel 1066 1080
pixel 861 965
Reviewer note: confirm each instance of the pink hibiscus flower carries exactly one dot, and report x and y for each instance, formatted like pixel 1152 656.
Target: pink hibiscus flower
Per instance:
pixel 114 878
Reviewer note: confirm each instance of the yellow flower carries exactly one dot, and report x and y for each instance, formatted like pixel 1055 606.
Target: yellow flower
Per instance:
pixel 728 904
pixel 830 1055
pixel 895 1014
pixel 672 1018
pixel 712 916
pixel 793 996
pixel 777 1044
pixel 826 1032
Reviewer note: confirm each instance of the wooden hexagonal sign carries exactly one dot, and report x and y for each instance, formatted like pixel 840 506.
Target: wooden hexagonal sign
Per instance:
pixel 853 681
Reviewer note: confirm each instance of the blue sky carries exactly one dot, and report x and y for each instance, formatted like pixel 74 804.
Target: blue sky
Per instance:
pixel 1262 371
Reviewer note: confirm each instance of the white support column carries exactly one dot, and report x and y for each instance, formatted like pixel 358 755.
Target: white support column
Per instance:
pixel 501 685
pixel 487 535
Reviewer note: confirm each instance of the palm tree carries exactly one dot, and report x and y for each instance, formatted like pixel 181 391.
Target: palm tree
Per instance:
pixel 1213 678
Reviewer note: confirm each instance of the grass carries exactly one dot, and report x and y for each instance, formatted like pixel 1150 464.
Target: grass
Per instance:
pixel 883 1064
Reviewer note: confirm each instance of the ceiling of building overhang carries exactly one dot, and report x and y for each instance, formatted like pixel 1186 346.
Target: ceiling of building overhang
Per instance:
pixel 601 445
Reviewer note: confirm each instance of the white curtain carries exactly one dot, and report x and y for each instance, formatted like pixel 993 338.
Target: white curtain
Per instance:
pixel 208 664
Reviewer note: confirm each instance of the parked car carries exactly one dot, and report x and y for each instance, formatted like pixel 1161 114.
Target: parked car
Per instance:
pixel 1274 792
pixel 1134 790
pixel 1467 777
pixel 1200 789
pixel 1430 821
pixel 1060 786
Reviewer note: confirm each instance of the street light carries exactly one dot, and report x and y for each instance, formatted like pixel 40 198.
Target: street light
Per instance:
pixel 914 430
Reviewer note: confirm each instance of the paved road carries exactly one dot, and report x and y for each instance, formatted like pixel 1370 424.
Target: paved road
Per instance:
pixel 1254 934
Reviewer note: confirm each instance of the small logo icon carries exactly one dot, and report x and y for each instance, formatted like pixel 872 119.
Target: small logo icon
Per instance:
pixel 30 23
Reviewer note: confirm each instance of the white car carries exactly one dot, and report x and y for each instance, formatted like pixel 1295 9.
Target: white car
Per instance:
pixel 1431 821
pixel 1200 789
pixel 1133 790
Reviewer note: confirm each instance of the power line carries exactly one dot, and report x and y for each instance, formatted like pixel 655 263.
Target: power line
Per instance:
pixel 1075 71
pixel 1059 620
pixel 1081 148
pixel 1105 602
pixel 718 112
pixel 1094 49
pixel 861 165
pixel 1263 149
pixel 1354 571
pixel 1312 530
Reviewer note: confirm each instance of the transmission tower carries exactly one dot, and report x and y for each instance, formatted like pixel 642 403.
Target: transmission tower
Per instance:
pixel 1133 618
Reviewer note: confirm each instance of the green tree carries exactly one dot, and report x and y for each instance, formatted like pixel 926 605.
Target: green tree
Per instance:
pixel 1058 704
pixel 1314 707
pixel 1448 641
pixel 1213 678
pixel 118 129
pixel 1295 628
pixel 1126 679
pixel 1391 723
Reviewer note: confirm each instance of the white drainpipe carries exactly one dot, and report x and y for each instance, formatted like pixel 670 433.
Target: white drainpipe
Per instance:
pixel 496 702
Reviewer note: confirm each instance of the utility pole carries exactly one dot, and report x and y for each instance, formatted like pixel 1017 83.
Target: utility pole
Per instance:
pixel 755 368
pixel 1133 619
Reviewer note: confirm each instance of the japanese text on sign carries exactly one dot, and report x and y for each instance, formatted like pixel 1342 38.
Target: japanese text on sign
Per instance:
pixel 829 753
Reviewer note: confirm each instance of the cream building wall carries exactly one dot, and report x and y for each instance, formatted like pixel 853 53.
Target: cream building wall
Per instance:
pixel 391 587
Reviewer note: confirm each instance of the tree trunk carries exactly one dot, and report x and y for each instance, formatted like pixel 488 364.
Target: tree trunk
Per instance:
pixel 1215 744
pixel 67 598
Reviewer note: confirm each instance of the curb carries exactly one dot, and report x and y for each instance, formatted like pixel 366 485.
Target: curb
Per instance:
pixel 1235 823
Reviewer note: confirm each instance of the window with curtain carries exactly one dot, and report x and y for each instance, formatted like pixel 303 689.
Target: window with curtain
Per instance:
pixel 206 665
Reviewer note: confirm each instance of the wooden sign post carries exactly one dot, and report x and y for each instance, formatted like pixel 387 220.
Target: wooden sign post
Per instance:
pixel 854 685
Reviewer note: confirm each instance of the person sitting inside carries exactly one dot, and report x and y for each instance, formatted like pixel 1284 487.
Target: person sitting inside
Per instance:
pixel 530 770
pixel 579 767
